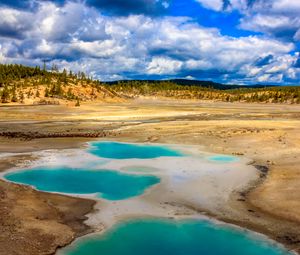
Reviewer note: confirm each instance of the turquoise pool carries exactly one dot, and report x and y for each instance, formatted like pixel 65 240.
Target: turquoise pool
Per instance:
pixel 170 237
pixel 115 150
pixel 223 158
pixel 108 184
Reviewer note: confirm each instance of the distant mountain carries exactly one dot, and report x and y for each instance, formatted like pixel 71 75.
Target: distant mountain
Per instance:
pixel 216 85
pixel 186 82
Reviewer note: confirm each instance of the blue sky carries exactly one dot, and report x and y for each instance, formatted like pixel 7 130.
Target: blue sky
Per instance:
pixel 229 41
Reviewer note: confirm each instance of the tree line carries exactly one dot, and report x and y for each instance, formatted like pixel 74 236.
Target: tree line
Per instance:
pixel 18 82
pixel 276 94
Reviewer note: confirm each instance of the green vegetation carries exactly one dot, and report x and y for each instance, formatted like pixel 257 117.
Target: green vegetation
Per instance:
pixel 77 103
pixel 19 83
pixel 26 84
pixel 278 94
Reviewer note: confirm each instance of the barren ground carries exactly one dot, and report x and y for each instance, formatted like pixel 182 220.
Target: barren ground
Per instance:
pixel 268 134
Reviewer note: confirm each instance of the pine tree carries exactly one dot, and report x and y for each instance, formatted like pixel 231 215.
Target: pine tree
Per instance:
pixel 5 95
pixel 77 102
pixel 22 97
pixel 14 96
pixel 64 76
pixel 46 92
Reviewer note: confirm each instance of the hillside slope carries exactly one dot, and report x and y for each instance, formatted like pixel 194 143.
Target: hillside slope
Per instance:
pixel 169 89
pixel 21 84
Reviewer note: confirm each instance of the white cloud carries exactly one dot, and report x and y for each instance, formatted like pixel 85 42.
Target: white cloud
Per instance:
pixel 263 21
pixel 136 45
pixel 2 57
pixel 291 6
pixel 264 78
pixel 161 65
pixel 216 5
pixel 14 23
pixel 278 18
pixel 278 68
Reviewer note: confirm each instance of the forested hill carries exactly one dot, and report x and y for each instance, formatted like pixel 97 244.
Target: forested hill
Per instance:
pixel 169 89
pixel 186 82
pixel 28 85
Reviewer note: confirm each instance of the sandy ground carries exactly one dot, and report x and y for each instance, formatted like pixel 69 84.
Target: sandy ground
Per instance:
pixel 268 134
pixel 37 223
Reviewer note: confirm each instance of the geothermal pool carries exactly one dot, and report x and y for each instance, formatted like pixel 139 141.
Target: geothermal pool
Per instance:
pixel 162 237
pixel 104 183
pixel 121 174
pixel 114 150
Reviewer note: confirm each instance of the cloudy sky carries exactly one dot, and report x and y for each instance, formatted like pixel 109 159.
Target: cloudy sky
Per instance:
pixel 229 41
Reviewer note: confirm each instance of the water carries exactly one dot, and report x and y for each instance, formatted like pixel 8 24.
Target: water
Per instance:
pixel 147 237
pixel 169 237
pixel 109 184
pixel 114 150
pixel 223 158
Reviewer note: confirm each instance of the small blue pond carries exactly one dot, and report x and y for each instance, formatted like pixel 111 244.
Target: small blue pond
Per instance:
pixel 169 237
pixel 223 158
pixel 115 150
pixel 112 185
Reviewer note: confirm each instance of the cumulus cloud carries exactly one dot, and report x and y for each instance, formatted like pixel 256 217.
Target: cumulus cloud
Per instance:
pixel 77 36
pixel 216 5
pixel 281 26
pixel 163 65
pixel 14 23
pixel 278 18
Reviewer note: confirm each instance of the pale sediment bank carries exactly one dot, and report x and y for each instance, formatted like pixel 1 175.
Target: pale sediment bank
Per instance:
pixel 37 223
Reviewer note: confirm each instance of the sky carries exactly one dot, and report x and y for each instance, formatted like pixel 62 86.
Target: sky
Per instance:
pixel 228 41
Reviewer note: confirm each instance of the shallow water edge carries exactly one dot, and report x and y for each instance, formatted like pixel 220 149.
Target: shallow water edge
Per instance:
pixel 174 236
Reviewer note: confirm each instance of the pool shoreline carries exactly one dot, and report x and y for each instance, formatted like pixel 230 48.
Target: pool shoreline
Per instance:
pixel 203 210
pixel 196 218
